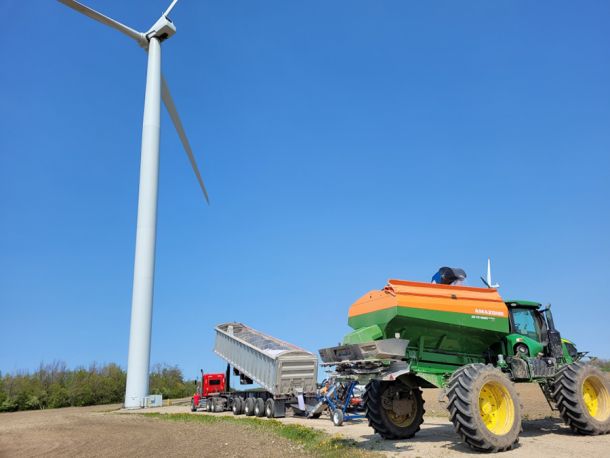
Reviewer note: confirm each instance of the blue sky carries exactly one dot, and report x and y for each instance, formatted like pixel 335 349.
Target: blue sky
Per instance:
pixel 343 143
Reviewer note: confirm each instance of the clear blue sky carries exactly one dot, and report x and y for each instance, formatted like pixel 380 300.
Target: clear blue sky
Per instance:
pixel 343 143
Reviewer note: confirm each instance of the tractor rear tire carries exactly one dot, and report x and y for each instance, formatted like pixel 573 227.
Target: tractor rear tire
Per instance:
pixel 259 407
pixel 484 408
pixel 249 407
pixel 582 394
pixel 393 410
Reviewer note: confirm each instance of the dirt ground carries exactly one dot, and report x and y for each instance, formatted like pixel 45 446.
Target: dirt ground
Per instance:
pixel 94 431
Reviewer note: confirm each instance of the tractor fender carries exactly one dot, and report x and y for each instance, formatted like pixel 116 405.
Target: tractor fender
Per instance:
pixel 396 375
pixel 397 370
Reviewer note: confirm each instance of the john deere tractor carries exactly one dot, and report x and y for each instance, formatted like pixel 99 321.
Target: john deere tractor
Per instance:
pixel 475 346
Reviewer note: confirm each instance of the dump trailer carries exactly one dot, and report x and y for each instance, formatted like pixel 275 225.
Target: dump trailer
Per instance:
pixel 287 375
pixel 474 345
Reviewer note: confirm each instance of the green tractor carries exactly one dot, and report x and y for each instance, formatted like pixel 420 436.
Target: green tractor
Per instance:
pixel 473 345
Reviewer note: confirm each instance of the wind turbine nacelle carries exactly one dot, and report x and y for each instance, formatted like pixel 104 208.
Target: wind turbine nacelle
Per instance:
pixel 162 29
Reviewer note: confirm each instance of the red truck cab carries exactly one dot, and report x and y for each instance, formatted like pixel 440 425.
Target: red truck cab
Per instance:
pixel 209 385
pixel 212 383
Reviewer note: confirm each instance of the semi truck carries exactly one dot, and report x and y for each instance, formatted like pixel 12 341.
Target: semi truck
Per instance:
pixel 286 374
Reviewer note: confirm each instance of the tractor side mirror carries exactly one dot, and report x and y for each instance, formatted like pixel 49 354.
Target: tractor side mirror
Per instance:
pixel 548 315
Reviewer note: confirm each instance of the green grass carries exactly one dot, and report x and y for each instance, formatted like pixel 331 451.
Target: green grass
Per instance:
pixel 316 442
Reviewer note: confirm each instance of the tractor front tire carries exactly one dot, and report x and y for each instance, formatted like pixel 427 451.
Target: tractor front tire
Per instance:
pixel 582 394
pixel 484 408
pixel 394 410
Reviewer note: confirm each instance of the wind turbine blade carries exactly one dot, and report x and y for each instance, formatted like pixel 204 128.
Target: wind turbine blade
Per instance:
pixel 173 113
pixel 139 37
pixel 489 272
pixel 170 8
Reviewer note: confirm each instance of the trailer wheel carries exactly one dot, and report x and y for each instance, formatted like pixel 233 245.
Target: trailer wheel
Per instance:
pixel 394 410
pixel 238 406
pixel 270 408
pixel 484 408
pixel 209 405
pixel 249 407
pixel 259 407
pixel 582 394
pixel 338 417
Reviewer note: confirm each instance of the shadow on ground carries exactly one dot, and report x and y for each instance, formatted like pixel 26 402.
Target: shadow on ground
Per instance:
pixel 445 437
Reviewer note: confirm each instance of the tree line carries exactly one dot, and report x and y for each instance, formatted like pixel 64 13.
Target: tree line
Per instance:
pixel 54 385
pixel 603 364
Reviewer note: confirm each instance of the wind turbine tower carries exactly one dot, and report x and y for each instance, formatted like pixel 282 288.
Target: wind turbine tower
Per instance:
pixel 138 364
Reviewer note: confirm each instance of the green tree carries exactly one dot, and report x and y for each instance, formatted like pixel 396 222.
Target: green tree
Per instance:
pixel 54 385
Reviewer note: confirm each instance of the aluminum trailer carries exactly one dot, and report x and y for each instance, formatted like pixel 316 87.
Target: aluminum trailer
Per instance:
pixel 286 373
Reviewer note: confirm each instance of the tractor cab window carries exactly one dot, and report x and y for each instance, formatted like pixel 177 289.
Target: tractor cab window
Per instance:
pixel 526 323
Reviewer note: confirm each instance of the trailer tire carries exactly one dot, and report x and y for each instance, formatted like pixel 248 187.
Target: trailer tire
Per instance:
pixel 582 394
pixel 249 407
pixel 484 408
pixel 238 406
pixel 259 407
pixel 270 408
pixel 381 399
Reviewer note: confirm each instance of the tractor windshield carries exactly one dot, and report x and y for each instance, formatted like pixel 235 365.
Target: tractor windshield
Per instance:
pixel 526 323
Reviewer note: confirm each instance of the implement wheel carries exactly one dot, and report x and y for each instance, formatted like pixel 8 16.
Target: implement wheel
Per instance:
pixel 582 394
pixel 337 417
pixel 394 410
pixel 484 408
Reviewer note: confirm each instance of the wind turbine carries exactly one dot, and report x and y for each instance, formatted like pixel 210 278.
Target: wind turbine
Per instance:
pixel 488 280
pixel 138 363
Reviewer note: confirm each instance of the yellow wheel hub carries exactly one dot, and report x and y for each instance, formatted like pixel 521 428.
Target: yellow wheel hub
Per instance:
pixel 401 420
pixel 403 412
pixel 596 397
pixel 496 408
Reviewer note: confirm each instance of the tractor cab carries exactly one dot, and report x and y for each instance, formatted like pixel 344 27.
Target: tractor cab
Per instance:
pixel 533 332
